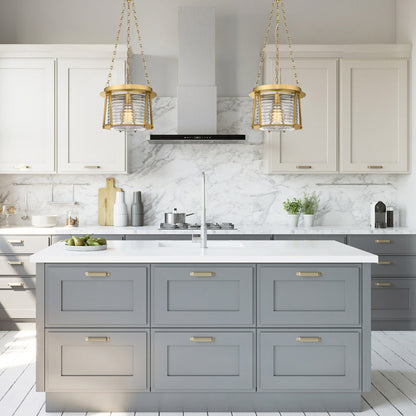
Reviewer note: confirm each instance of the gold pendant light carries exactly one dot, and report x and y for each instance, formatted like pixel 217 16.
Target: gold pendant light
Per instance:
pixel 276 106
pixel 128 107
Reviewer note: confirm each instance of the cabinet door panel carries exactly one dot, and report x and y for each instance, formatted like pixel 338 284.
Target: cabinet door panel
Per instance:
pixel 27 115
pixel 374 101
pixel 314 148
pixel 84 146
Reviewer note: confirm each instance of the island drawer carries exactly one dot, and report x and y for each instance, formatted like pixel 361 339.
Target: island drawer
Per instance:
pixel 309 361
pixel 10 244
pixel 203 361
pixel 395 266
pixel 294 295
pixel 393 298
pixel 16 265
pixel 17 298
pixel 341 238
pixel 96 361
pixel 99 294
pixel 384 243
pixel 198 295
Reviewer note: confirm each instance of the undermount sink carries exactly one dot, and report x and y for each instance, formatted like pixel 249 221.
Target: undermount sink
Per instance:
pixel 190 244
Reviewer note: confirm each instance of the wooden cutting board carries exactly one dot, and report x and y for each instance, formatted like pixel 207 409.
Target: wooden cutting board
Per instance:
pixel 106 201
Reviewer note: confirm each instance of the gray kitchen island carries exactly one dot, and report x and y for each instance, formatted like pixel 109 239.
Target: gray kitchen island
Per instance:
pixel 237 326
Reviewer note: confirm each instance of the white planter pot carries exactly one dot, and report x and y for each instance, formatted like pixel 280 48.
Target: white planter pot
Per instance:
pixel 293 220
pixel 308 220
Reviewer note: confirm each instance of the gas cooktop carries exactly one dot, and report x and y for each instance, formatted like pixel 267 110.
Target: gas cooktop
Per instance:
pixel 186 226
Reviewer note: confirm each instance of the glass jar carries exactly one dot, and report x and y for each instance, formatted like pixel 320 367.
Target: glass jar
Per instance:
pixel 72 219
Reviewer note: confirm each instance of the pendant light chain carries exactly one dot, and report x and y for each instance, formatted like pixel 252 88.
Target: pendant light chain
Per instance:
pixel 276 33
pixel 146 74
pixel 263 51
pixel 128 42
pixel 123 10
pixel 289 42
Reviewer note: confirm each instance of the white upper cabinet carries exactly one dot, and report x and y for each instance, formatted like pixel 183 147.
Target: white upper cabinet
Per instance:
pixel 374 116
pixel 312 149
pixel 27 115
pixel 83 145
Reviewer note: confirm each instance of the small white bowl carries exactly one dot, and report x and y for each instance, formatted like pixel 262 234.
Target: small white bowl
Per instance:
pixel 44 220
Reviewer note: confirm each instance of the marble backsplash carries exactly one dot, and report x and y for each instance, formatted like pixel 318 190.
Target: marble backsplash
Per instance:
pixel 237 189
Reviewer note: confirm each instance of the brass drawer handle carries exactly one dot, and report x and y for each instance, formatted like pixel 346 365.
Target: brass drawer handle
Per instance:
pixel 202 339
pixel 309 339
pixel 383 241
pixel 15 241
pixel 202 274
pixel 21 167
pixel 375 167
pixel 303 167
pixel 97 339
pixel 92 167
pixel 383 284
pixel 384 263
pixel 15 263
pixel 97 274
pixel 12 285
pixel 308 274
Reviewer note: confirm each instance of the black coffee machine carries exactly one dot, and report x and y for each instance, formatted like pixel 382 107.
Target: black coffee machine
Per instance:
pixel 378 215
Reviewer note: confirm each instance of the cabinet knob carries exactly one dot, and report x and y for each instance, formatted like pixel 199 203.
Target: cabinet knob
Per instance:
pixel 308 274
pixel 202 339
pixel 309 339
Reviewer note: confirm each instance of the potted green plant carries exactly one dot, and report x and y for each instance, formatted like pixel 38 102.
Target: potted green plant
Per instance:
pixel 293 207
pixel 310 206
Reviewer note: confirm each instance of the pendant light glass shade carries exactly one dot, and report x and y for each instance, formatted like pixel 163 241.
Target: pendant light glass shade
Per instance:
pixel 277 106
pixel 128 107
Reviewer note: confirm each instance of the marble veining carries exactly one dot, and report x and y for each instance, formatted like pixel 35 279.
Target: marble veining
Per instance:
pixel 237 189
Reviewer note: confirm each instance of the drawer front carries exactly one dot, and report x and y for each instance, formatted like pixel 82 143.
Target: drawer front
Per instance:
pixel 203 361
pixel 17 265
pixel 96 361
pixel 10 244
pixel 334 237
pixel 100 294
pixel 202 295
pixel 393 298
pixel 17 298
pixel 394 266
pixel 309 361
pixel 308 295
pixel 384 243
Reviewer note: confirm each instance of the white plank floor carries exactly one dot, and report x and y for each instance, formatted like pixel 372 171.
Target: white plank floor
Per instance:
pixel 393 380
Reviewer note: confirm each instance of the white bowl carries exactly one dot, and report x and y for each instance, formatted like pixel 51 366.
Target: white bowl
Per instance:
pixel 44 220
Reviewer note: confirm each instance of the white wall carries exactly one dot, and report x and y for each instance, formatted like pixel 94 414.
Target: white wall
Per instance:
pixel 240 30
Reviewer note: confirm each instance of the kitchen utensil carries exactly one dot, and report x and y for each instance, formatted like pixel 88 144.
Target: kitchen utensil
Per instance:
pixel 106 201
pixel 176 217
pixel 44 220
pixel 137 212
pixel 120 211
pixel 85 248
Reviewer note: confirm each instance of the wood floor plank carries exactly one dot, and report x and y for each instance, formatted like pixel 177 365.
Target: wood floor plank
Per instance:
pixel 32 403
pixel 379 403
pixel 268 413
pixel 366 410
pixel 42 412
pixel 125 414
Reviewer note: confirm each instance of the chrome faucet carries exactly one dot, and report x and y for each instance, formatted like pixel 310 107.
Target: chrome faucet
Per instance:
pixel 203 216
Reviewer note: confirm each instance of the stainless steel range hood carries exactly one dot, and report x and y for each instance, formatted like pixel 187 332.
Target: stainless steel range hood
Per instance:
pixel 197 91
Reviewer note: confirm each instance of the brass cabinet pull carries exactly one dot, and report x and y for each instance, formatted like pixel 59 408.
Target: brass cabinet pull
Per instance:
pixel 383 241
pixel 384 263
pixel 92 167
pixel 97 339
pixel 202 274
pixel 383 284
pixel 308 274
pixel 375 167
pixel 97 274
pixel 15 263
pixel 15 241
pixel 303 167
pixel 21 167
pixel 12 285
pixel 202 339
pixel 309 339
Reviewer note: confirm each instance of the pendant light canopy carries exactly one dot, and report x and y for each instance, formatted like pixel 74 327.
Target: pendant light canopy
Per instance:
pixel 128 107
pixel 277 106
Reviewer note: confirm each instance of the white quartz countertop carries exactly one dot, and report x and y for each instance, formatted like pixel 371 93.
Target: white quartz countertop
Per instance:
pixel 217 252
pixel 241 229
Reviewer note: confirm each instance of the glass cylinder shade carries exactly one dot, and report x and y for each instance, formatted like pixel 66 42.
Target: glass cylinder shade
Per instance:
pixel 128 107
pixel 277 107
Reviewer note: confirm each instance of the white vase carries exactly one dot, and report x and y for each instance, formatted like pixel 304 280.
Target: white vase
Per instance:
pixel 120 216
pixel 293 220
pixel 308 220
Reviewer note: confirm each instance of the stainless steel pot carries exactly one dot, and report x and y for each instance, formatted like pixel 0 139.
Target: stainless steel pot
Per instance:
pixel 176 217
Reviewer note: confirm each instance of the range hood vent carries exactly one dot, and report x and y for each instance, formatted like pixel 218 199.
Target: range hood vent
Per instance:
pixel 196 138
